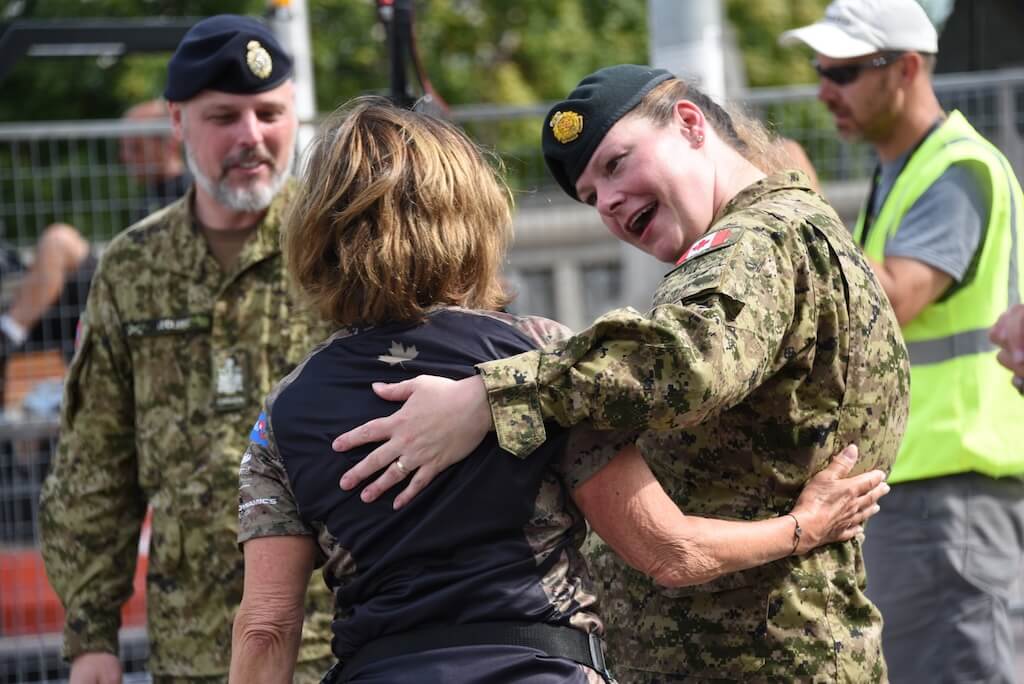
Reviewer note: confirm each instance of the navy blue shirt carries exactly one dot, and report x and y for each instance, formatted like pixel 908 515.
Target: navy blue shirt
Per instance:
pixel 493 538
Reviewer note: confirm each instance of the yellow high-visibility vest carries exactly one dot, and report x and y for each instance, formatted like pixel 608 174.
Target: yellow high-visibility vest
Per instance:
pixel 964 413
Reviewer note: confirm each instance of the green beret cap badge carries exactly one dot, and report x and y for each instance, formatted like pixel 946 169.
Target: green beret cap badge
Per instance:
pixel 258 59
pixel 566 126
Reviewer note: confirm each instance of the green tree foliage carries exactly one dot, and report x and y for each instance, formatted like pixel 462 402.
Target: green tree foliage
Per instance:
pixel 758 25
pixel 89 88
pixel 474 50
pixel 491 51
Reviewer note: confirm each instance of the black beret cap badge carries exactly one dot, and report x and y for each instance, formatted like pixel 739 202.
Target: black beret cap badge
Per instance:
pixel 566 126
pixel 258 60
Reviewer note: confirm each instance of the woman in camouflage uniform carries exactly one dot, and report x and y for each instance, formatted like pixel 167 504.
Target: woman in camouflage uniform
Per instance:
pixel 769 345
pixel 397 234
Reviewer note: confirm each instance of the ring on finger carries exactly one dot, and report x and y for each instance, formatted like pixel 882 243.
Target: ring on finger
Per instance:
pixel 401 467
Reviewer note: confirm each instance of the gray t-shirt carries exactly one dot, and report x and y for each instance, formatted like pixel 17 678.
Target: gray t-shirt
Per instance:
pixel 943 227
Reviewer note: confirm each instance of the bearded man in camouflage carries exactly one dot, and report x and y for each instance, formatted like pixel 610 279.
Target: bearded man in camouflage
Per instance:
pixel 188 324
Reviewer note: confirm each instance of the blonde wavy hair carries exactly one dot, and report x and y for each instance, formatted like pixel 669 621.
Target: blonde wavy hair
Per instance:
pixel 396 213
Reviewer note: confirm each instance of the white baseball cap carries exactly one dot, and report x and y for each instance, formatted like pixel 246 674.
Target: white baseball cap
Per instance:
pixel 854 28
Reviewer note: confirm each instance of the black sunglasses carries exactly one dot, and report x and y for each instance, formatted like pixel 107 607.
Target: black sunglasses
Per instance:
pixel 848 73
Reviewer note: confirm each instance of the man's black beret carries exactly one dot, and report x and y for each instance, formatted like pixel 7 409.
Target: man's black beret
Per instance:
pixel 228 53
pixel 576 126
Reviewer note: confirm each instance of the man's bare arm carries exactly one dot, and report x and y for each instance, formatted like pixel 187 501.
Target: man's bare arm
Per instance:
pixel 911 285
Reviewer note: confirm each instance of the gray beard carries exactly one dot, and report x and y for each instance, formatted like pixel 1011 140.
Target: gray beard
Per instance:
pixel 255 197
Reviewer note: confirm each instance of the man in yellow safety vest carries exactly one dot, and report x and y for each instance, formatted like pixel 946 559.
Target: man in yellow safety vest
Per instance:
pixel 942 229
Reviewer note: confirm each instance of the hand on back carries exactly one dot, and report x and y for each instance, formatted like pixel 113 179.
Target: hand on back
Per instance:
pixel 440 423
pixel 833 506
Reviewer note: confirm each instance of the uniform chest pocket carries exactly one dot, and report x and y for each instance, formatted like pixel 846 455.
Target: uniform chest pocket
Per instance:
pixel 167 355
pixel 171 370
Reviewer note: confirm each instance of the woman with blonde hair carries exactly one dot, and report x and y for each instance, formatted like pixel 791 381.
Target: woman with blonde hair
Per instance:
pixel 770 344
pixel 397 234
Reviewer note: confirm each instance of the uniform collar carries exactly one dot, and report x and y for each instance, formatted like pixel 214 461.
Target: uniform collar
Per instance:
pixel 266 242
pixel 190 248
pixel 753 193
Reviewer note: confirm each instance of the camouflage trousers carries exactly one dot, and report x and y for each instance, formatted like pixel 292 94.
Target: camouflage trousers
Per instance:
pixel 309 672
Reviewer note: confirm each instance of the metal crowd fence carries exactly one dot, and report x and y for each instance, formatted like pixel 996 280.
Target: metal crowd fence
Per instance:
pixel 564 265
pixel 993 101
pixel 570 269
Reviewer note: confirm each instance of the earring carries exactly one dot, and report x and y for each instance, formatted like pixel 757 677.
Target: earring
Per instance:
pixel 699 139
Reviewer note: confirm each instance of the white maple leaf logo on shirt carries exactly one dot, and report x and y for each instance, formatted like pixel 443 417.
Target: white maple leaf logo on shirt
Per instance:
pixel 398 353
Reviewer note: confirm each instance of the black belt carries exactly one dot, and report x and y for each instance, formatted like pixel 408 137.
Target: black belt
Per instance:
pixel 554 640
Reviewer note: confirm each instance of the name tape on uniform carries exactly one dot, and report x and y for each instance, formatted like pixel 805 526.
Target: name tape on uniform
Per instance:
pixel 168 326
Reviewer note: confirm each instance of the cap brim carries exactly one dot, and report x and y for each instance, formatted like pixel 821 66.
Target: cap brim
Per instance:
pixel 828 39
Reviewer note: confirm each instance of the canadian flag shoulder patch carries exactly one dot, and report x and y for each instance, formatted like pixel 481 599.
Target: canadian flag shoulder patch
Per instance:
pixel 710 242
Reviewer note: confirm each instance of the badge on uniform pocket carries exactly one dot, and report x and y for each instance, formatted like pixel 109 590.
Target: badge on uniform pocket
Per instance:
pixel 231 378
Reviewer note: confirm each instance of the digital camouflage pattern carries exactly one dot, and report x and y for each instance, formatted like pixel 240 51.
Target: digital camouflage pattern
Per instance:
pixel 175 357
pixel 268 506
pixel 759 360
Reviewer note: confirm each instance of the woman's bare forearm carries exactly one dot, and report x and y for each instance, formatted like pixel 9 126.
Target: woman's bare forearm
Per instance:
pixel 709 548
pixel 629 509
pixel 268 626
pixel 264 646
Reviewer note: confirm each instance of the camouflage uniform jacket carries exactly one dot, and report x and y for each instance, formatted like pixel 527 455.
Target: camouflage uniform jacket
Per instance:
pixel 769 348
pixel 490 539
pixel 175 357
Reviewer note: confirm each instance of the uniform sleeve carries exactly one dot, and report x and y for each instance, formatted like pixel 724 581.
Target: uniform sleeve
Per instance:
pixel 266 503
pixel 711 339
pixel 588 449
pixel 91 506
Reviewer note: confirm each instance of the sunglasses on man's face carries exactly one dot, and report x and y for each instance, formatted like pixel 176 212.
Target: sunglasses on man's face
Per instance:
pixel 848 73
